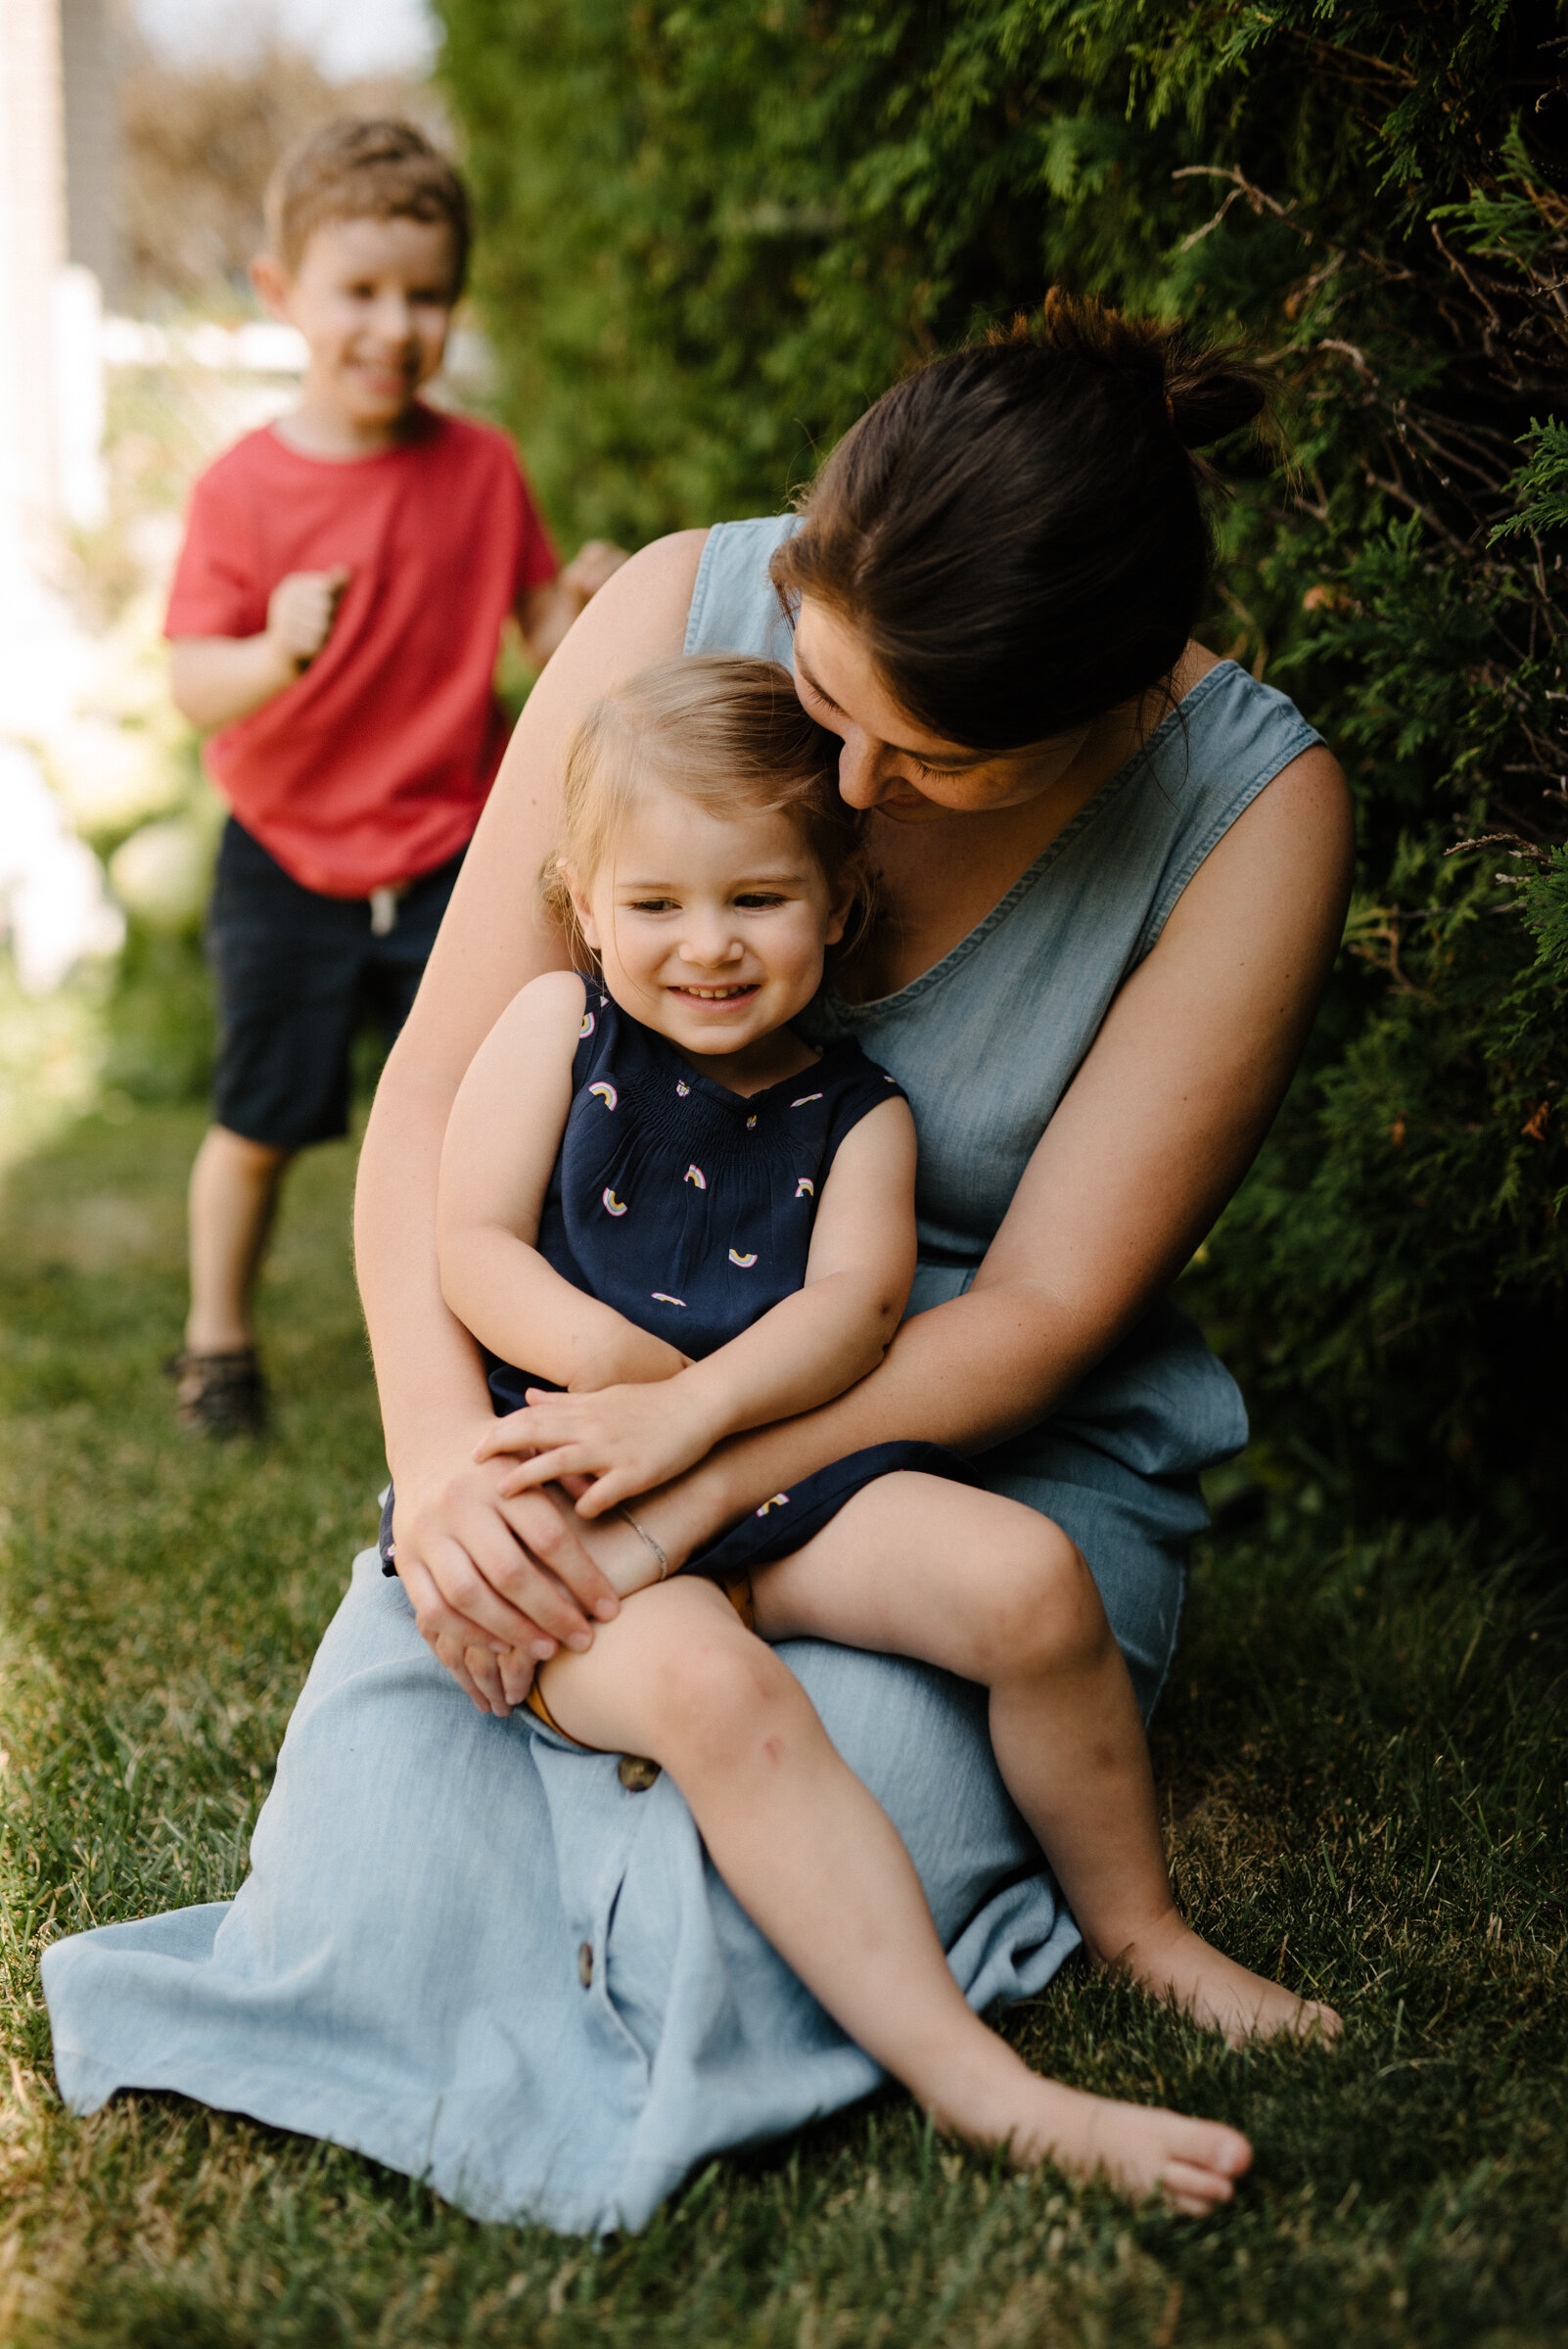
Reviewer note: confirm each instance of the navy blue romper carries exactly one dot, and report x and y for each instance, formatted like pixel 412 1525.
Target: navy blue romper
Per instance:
pixel 689 1209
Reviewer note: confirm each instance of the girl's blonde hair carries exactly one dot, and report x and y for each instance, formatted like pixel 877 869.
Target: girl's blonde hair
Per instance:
pixel 724 730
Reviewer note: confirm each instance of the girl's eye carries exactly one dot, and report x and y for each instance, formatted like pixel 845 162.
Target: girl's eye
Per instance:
pixel 755 898
pixel 651 905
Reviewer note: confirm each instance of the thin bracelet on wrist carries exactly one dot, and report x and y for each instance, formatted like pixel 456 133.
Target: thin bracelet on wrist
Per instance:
pixel 643 1534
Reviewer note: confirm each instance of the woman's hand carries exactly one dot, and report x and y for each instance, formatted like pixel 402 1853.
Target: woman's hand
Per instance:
pixel 493 1576
pixel 626 1439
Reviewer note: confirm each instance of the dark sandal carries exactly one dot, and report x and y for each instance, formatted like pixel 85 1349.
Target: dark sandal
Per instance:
pixel 218 1393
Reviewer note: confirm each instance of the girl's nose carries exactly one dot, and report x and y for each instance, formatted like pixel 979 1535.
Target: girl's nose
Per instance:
pixel 709 942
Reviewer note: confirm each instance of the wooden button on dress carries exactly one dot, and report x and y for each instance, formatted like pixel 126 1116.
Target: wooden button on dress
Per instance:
pixel 585 1965
pixel 636 1773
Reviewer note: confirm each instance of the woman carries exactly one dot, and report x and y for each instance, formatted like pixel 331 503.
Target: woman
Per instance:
pixel 1114 872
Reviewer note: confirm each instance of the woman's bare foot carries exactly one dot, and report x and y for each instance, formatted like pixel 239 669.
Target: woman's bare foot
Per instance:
pixel 1173 1961
pixel 1139 2149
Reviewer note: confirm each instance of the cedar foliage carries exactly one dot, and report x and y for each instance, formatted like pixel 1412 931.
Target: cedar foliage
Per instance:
pixel 713 232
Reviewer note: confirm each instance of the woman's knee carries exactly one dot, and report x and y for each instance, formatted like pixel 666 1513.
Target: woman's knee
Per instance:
pixel 1040 1611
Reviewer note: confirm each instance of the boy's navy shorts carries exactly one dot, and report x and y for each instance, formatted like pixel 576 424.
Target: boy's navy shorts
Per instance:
pixel 296 975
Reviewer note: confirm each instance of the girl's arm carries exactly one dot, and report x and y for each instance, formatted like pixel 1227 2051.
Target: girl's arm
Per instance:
pixel 809 1348
pixel 502 1140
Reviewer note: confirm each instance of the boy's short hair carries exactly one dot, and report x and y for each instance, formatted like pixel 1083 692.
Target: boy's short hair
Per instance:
pixel 359 168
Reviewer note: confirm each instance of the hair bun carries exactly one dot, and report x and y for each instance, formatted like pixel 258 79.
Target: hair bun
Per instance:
pixel 1210 393
pixel 1207 389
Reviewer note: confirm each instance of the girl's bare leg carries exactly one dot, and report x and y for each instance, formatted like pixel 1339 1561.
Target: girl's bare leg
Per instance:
pixel 992 1591
pixel 820 1867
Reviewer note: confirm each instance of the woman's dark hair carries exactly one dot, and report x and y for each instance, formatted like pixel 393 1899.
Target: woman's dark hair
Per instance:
pixel 1018 531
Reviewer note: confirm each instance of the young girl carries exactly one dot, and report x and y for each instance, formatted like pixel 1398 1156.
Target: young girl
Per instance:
pixel 684 1220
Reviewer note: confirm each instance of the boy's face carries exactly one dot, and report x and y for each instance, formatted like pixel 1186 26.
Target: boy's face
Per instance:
pixel 373 299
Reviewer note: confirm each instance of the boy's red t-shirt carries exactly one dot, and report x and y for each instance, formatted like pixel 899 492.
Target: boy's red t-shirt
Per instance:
pixel 372 767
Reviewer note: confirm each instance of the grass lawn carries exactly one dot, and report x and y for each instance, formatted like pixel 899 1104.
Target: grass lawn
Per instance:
pixel 1365 1791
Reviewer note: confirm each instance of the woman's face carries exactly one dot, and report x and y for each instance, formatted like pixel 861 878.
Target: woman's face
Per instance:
pixel 891 762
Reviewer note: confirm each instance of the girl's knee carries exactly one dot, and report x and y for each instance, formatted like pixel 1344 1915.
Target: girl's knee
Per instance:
pixel 718 1692
pixel 1043 1612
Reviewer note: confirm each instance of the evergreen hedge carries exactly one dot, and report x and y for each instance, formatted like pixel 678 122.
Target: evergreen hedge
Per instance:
pixel 712 232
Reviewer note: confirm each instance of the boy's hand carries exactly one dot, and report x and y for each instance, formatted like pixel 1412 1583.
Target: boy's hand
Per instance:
pixel 595 562
pixel 301 611
pixel 626 1438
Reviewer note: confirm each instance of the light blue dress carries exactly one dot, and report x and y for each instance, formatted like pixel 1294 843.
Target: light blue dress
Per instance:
pixel 470 1952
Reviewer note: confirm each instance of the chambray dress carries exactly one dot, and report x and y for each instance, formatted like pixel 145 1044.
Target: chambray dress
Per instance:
pixel 473 1953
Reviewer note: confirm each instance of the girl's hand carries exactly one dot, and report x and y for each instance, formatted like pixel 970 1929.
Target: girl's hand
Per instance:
pixel 628 1439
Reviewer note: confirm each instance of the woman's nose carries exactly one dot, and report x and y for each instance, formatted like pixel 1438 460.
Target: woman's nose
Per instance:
pixel 862 780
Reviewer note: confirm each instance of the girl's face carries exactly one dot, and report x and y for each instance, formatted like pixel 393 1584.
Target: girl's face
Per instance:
pixel 711 928
pixel 890 762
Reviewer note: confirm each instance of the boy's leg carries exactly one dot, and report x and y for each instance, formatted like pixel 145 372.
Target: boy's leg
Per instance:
pixel 820 1867
pixel 234 1192
pixel 988 1589
pixel 287 967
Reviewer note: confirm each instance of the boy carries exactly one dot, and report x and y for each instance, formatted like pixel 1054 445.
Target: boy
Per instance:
pixel 335 614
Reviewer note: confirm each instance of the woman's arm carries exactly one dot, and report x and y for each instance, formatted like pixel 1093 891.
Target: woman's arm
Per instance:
pixel 464 1555
pixel 502 1141
pixel 807 1349
pixel 1150 1140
